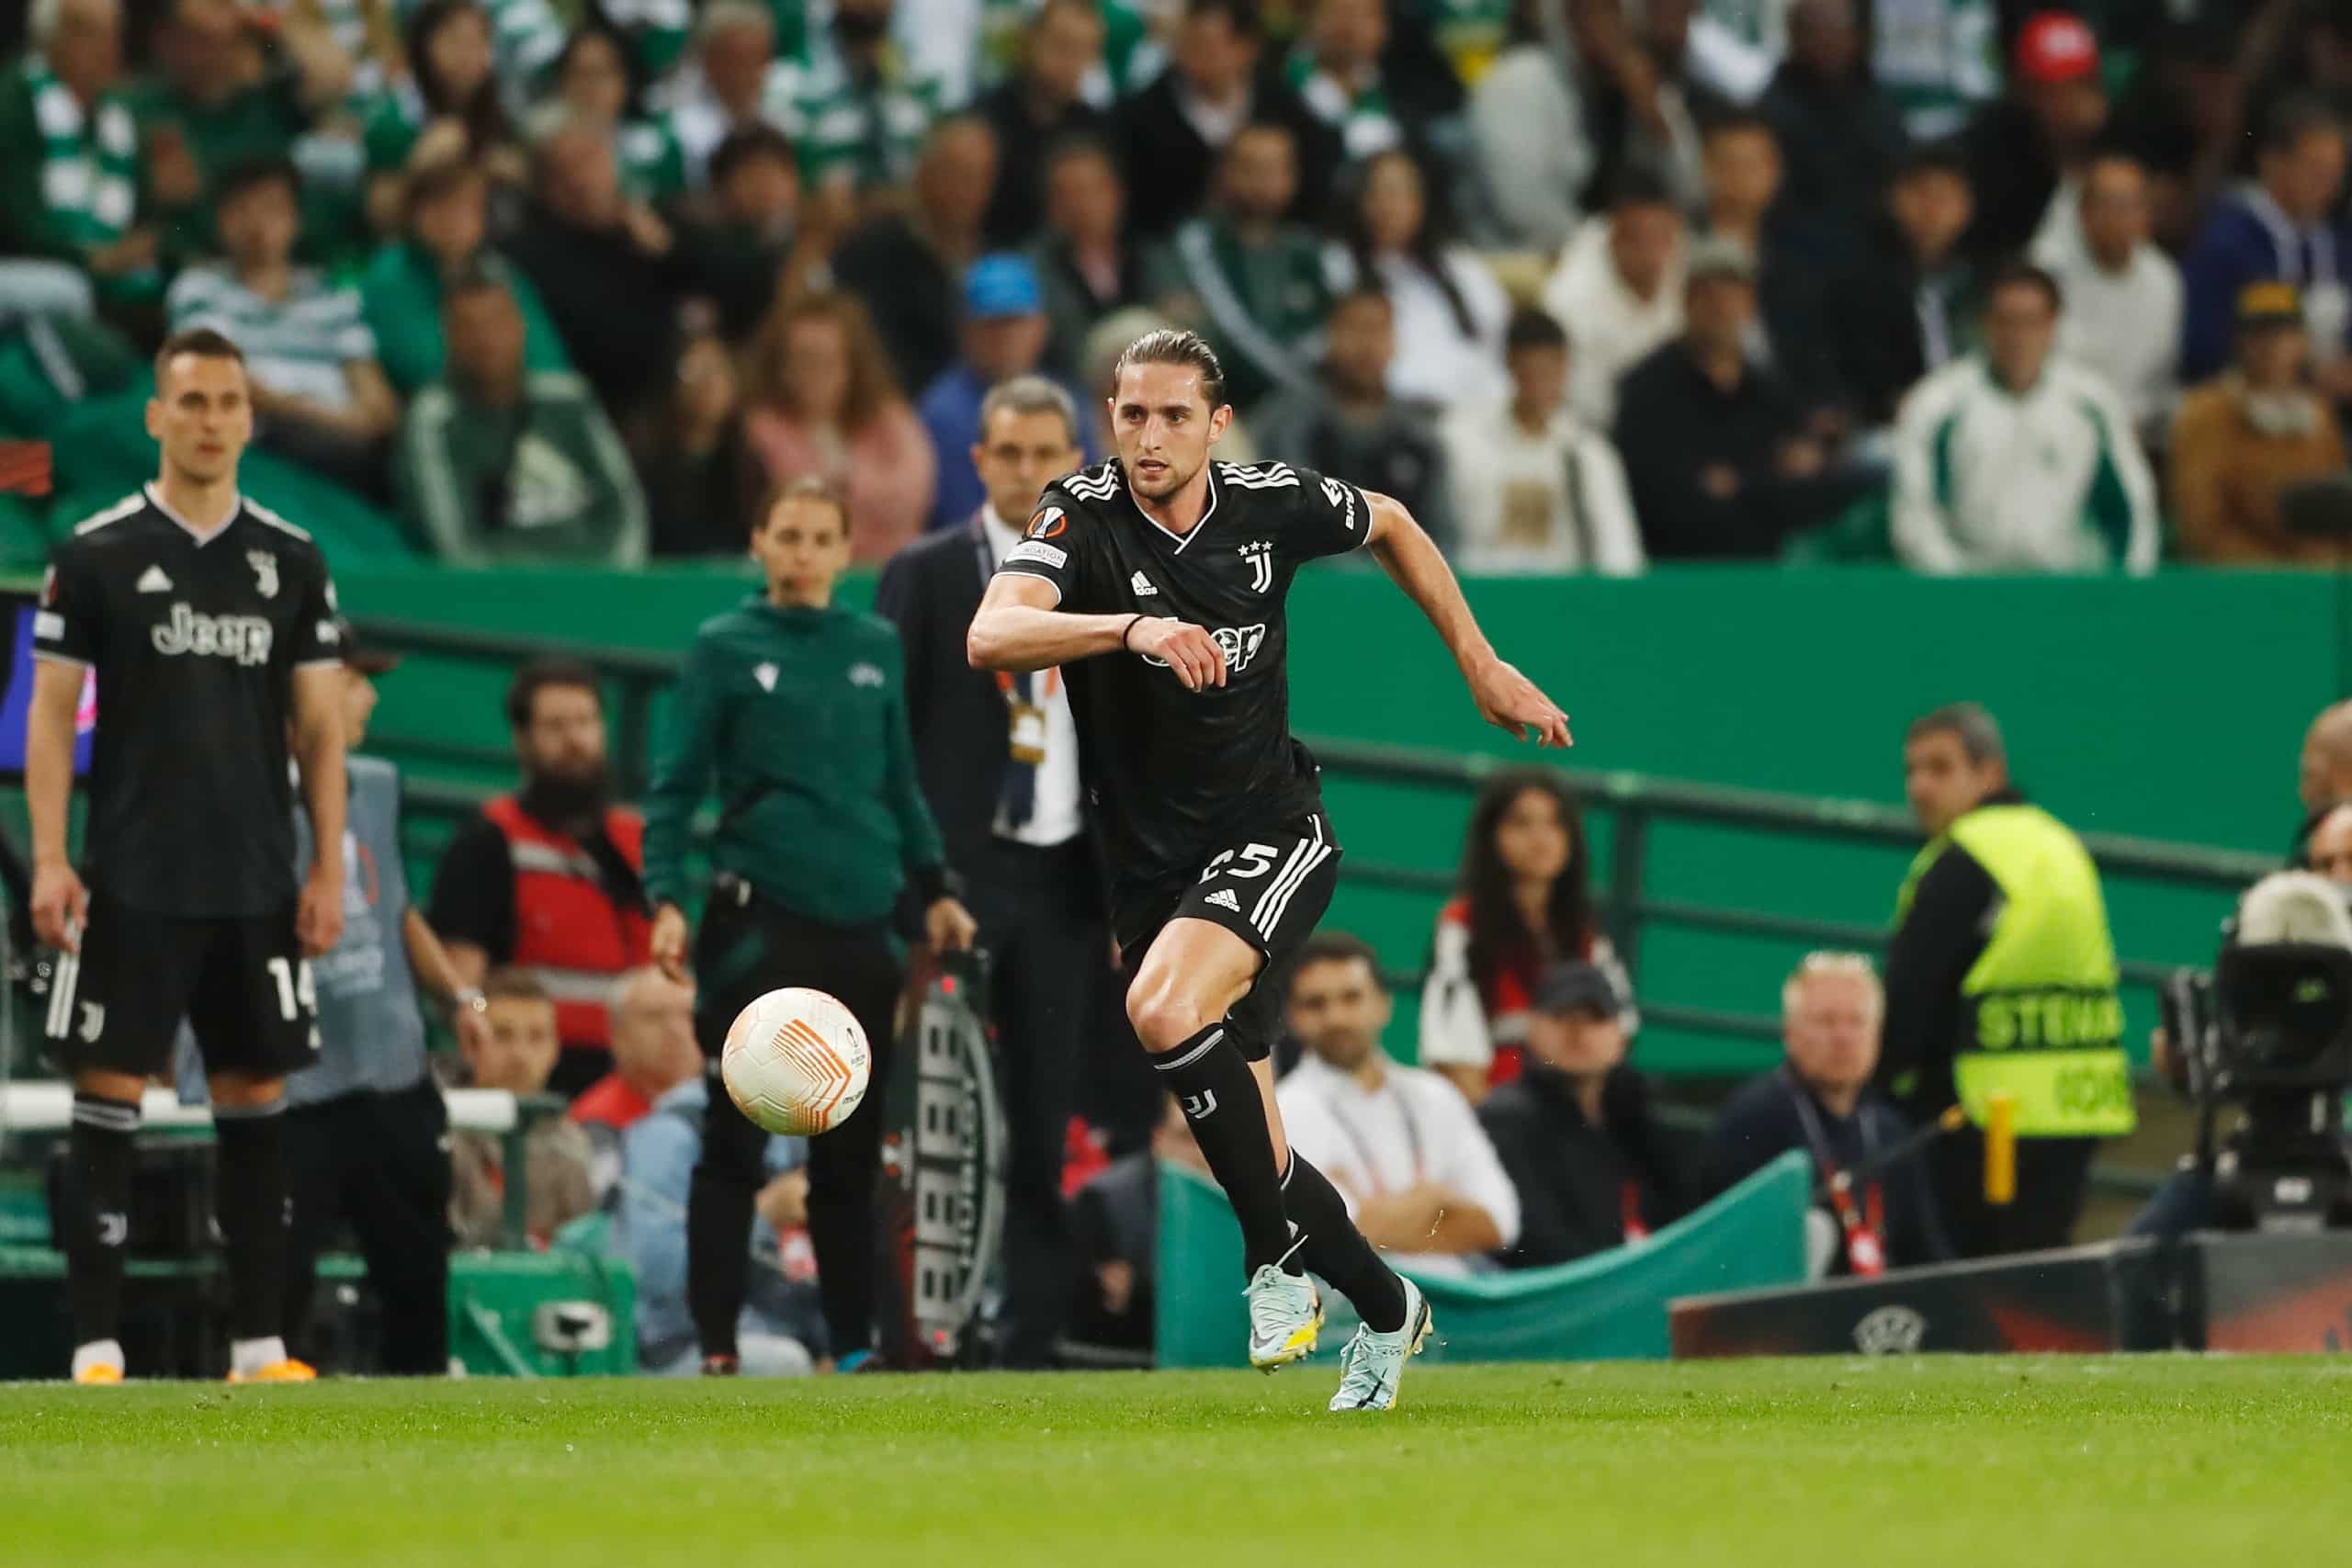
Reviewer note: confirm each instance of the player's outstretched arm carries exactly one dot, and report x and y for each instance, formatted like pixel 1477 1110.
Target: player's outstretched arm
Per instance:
pixel 1506 698
pixel 1017 627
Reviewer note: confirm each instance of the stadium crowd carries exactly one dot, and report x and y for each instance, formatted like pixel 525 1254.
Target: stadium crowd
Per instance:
pixel 1585 283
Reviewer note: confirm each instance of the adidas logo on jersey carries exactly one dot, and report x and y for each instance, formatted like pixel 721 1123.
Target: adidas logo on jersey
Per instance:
pixel 153 581
pixel 1224 899
pixel 1142 585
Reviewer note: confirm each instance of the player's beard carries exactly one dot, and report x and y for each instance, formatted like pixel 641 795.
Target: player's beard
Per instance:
pixel 1172 480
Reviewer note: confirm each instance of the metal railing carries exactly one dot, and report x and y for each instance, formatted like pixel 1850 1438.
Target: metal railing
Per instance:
pixel 1635 804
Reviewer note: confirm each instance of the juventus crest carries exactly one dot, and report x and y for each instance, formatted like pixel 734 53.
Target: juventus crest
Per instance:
pixel 1260 554
pixel 265 567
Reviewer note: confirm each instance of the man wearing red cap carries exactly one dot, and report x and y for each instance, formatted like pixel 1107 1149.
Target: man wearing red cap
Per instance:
pixel 2022 146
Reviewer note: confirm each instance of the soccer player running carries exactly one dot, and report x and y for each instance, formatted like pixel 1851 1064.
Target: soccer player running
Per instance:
pixel 210 624
pixel 1156 581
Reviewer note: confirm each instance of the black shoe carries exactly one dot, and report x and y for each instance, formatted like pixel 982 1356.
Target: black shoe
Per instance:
pixel 722 1367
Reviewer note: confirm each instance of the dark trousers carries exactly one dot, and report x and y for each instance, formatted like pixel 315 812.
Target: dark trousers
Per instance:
pixel 2053 1176
pixel 743 952
pixel 378 1162
pixel 1049 955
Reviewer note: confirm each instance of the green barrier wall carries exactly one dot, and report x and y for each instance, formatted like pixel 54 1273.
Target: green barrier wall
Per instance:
pixel 1607 1307
pixel 2169 708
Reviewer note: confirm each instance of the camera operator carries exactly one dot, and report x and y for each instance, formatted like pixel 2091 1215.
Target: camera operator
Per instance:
pixel 2185 1201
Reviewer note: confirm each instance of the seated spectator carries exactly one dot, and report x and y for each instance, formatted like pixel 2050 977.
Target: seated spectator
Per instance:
pixel 1335 71
pixel 598 78
pixel 1041 106
pixel 2280 229
pixel 1115 1228
pixel 1620 281
pixel 2121 292
pixel 2241 441
pixel 654 1050
pixel 498 464
pixel 1819 1100
pixel 1964 501
pixel 515 1054
pixel 1175 134
pixel 1534 154
pixel 215 103
pixel 1643 100
pixel 1841 135
pixel 1716 445
pixel 1404 1149
pixel 725 85
pixel 1906 308
pixel 548 879
pixel 609 271
pixel 1741 165
pixel 1004 336
pixel 71 169
pixel 1248 277
pixel 2027 148
pixel 907 268
pixel 751 250
pixel 453 82
pixel 1525 903
pixel 1536 490
pixel 701 482
pixel 1349 424
pixel 1086 268
pixel 445 217
pixel 1450 310
pixel 821 404
pixel 858 104
pixel 1593 1168
pixel 318 393
pixel 2184 114
pixel 777 1335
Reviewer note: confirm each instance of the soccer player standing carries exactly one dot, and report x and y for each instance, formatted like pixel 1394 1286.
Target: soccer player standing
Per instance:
pixel 210 624
pixel 1156 581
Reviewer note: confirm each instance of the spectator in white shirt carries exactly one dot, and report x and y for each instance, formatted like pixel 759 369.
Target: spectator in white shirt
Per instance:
pixel 2015 460
pixel 1535 489
pixel 1419 1176
pixel 2123 295
pixel 1449 309
pixel 1619 283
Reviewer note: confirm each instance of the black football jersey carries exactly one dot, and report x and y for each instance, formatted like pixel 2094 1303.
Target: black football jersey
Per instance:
pixel 1174 773
pixel 195 640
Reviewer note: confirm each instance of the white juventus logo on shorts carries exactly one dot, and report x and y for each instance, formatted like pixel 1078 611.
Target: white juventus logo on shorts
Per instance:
pixel 114 1228
pixel 1260 554
pixel 1304 857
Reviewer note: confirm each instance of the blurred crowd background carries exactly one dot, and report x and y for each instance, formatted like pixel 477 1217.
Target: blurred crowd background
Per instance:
pixel 1590 284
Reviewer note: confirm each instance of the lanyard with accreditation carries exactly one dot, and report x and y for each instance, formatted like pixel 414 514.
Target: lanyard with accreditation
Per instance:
pixel 1863 1226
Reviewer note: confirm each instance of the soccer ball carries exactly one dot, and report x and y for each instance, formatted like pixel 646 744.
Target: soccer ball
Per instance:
pixel 796 1062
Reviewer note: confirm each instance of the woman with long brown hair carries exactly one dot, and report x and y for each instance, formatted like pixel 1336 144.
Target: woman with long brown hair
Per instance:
pixel 824 405
pixel 1525 903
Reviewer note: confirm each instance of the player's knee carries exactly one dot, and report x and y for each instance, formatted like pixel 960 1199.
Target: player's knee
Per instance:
pixel 1163 1014
pixel 99 1084
pixel 242 1090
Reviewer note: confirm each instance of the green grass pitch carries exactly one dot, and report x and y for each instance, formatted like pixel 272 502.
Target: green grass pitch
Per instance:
pixel 2136 1462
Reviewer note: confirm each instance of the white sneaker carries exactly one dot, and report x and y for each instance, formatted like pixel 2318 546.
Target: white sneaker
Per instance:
pixel 1372 1363
pixel 1285 1314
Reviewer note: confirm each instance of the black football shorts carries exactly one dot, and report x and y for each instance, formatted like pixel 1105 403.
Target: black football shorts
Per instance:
pixel 240 980
pixel 1269 887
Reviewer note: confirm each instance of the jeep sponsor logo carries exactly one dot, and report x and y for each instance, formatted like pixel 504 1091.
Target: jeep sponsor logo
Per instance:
pixel 245 639
pixel 1240 645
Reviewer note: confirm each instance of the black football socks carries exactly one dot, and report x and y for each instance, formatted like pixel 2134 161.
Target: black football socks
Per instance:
pixel 1329 1244
pixel 1220 1100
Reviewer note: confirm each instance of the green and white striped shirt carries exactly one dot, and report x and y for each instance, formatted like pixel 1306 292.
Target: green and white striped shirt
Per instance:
pixel 298 346
pixel 89 170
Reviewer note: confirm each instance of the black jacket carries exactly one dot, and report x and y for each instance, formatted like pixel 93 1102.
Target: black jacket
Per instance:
pixel 1574 1179
pixel 915 299
pixel 962 734
pixel 1840 145
pixel 1876 351
pixel 1017 208
pixel 1762 1121
pixel 1170 170
pixel 1943 935
pixel 615 306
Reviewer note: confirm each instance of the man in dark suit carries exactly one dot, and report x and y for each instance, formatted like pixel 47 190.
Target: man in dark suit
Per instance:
pixel 998 756
pixel 1173 133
